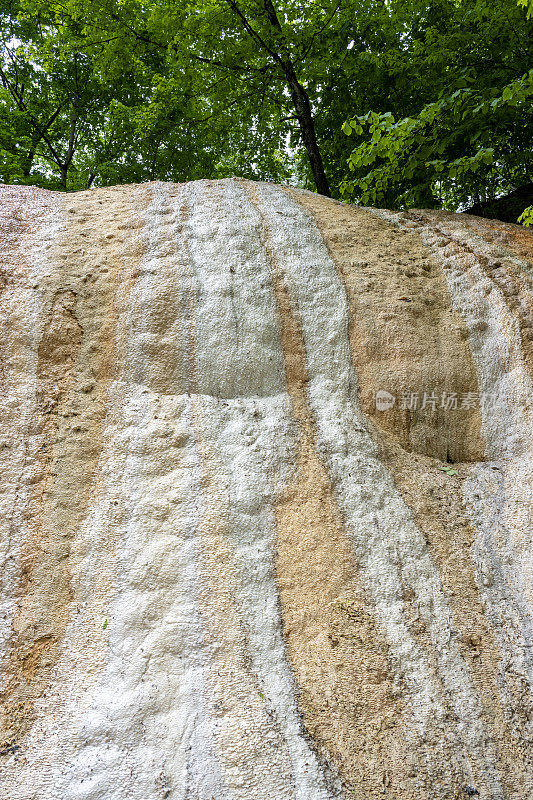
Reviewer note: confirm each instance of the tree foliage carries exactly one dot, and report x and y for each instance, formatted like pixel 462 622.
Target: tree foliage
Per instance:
pixel 222 85
pixel 55 111
pixel 470 136
pixel 434 94
pixel 463 145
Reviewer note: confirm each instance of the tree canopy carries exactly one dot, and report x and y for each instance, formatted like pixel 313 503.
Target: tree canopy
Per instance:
pixel 385 102
pixel 468 137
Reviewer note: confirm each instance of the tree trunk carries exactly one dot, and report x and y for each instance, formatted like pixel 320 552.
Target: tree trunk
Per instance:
pixel 507 208
pixel 28 163
pixel 302 105
pixel 306 122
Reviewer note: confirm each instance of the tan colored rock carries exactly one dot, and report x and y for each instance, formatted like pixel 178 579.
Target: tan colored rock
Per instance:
pixel 266 498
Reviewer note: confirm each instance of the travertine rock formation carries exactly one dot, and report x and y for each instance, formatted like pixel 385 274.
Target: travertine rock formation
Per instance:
pixel 266 498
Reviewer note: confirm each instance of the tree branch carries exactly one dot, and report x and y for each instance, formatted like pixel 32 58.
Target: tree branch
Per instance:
pixel 320 32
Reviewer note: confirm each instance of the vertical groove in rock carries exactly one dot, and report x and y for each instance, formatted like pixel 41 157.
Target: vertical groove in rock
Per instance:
pixel 503 252
pixel 350 704
pixel 392 552
pixel 77 279
pixel 434 499
pixel 497 495
pixel 247 736
pixel 194 615
pixel 493 290
pixel 249 744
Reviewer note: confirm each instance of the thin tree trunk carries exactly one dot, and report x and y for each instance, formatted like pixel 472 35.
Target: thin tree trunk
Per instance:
pixel 302 105
pixel 281 56
pixel 306 122
pixel 64 167
pixel 28 163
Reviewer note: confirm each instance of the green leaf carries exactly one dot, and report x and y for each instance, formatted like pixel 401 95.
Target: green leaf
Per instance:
pixel 526 217
pixel 449 470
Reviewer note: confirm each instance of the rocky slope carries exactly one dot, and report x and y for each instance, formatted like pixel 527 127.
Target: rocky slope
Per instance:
pixel 266 498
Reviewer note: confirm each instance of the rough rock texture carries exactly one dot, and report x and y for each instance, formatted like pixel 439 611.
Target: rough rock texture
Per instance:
pixel 266 498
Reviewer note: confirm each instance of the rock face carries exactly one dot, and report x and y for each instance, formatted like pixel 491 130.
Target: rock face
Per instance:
pixel 266 498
